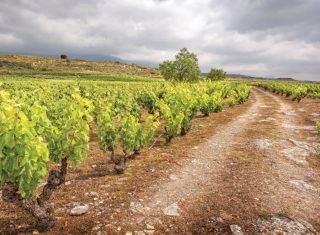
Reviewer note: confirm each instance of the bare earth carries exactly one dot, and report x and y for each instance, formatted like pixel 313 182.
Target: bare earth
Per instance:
pixel 252 169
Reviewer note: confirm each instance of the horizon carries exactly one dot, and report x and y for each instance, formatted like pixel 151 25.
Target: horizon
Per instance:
pixel 260 39
pixel 116 59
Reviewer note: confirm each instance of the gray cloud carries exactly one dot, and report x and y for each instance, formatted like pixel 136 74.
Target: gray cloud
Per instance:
pixel 255 37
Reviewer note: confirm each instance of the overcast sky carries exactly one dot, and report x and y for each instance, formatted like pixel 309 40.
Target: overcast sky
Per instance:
pixel 279 38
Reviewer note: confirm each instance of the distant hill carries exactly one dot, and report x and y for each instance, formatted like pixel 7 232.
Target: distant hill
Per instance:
pixel 89 57
pixel 44 66
pixel 241 76
pixel 98 58
pixel 263 78
pixel 286 79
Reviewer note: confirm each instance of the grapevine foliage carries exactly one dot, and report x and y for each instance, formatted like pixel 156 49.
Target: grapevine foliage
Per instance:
pixel 173 120
pixel 47 124
pixel 23 152
pixel 70 118
pixel 297 91
pixel 32 137
pixel 124 130
pixel 107 129
pixel 149 100
pixel 135 135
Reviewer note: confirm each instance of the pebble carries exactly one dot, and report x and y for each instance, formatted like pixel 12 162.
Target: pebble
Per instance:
pixel 150 227
pixel 93 194
pixel 79 209
pixel 217 219
pixel 172 210
pixel 236 229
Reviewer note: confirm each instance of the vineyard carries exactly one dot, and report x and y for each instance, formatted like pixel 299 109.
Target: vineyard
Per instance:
pixel 48 126
pixel 45 123
pixel 296 91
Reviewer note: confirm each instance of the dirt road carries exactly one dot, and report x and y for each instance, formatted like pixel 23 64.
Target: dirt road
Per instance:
pixel 256 175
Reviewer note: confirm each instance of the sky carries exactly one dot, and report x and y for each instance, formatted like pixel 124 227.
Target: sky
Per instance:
pixel 270 38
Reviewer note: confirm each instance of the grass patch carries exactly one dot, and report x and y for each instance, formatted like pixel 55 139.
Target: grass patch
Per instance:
pixel 284 213
pixel 265 215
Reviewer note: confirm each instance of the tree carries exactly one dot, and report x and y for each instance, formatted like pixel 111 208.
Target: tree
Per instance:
pixel 64 56
pixel 184 68
pixel 216 74
pixel 167 69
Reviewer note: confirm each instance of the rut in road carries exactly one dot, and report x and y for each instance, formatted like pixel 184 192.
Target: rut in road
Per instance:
pixel 253 176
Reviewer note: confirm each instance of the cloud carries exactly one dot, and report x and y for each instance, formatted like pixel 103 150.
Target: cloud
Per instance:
pixel 255 37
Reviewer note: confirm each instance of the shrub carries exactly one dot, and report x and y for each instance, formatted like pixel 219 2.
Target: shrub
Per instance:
pixel 184 68
pixel 216 74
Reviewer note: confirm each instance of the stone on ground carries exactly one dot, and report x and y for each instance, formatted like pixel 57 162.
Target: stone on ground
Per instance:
pixel 172 210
